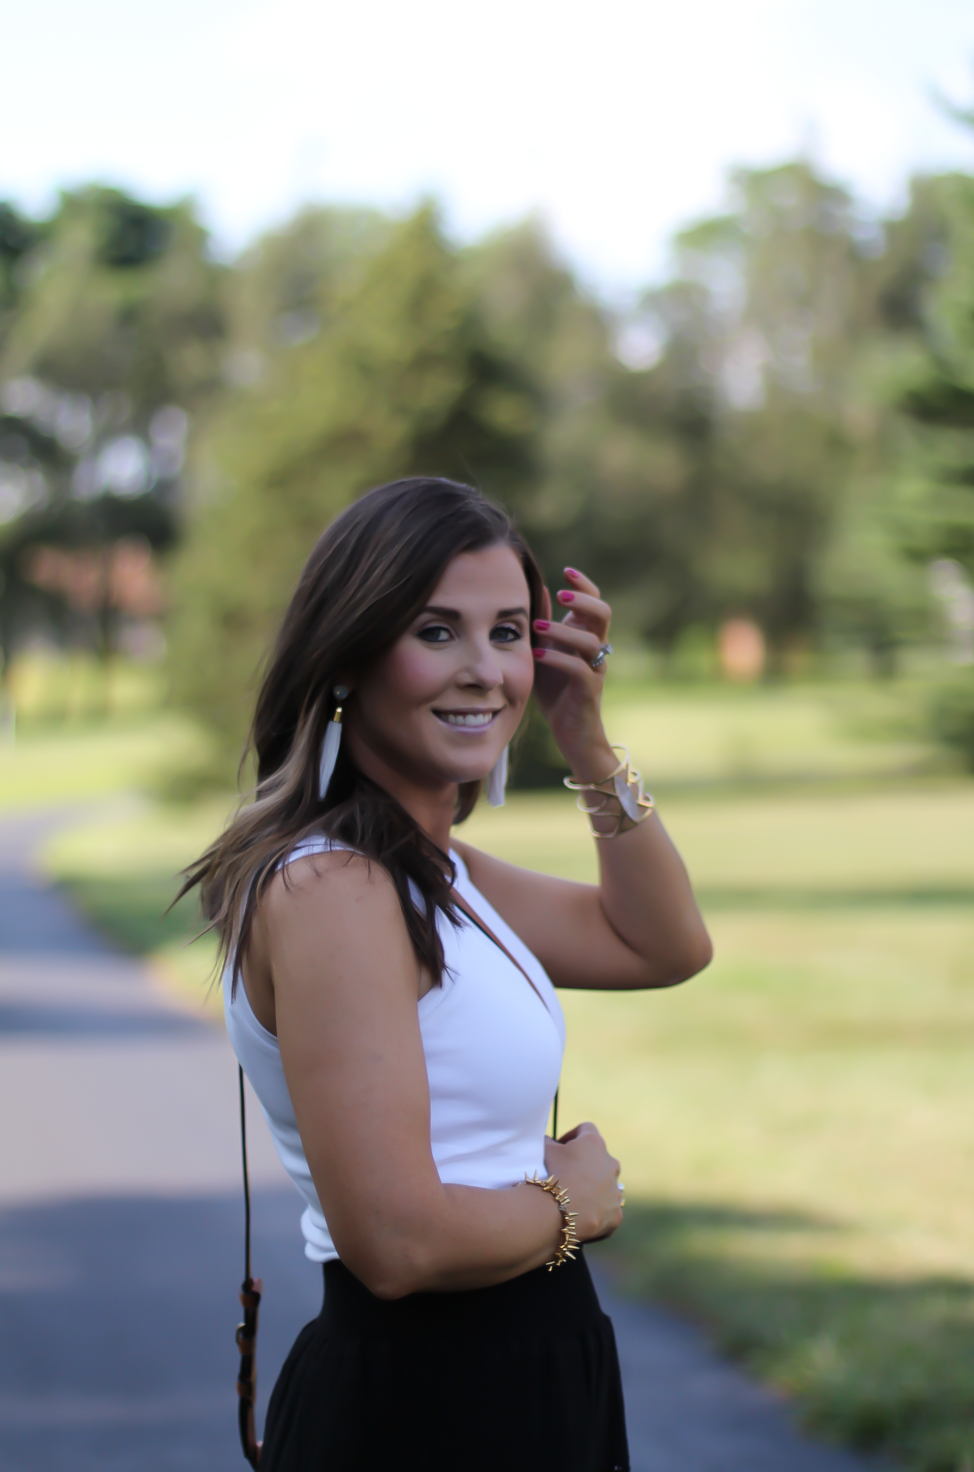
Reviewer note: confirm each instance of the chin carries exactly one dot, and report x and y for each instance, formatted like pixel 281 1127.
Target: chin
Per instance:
pixel 480 775
pixel 475 768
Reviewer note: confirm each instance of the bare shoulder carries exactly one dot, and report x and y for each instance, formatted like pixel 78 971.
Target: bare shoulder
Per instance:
pixel 338 878
pixel 332 895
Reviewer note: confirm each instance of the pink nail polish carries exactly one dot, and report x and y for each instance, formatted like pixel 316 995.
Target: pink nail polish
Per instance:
pixel 571 573
pixel 539 653
pixel 541 623
pixel 566 597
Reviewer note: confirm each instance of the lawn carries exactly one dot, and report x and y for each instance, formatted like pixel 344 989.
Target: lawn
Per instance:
pixel 64 750
pixel 796 1124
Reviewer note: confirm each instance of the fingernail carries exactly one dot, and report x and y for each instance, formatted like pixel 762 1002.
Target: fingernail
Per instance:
pixel 571 573
pixel 539 654
pixel 566 597
pixel 541 623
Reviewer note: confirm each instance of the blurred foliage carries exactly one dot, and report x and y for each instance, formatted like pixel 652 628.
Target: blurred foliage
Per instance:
pixel 406 378
pixel 936 476
pixel 937 399
pixel 773 327
pixel 741 466
pixel 951 713
pixel 110 295
pixel 111 328
pixel 781 432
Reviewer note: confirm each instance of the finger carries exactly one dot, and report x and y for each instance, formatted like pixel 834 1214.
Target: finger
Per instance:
pixel 585 1128
pixel 576 641
pixel 573 665
pixel 583 608
pixel 570 1135
pixel 615 1222
pixel 579 581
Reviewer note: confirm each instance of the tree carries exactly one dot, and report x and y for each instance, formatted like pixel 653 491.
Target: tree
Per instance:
pixel 766 386
pixel 936 486
pixel 118 297
pixel 619 479
pixel 401 377
pixel 937 400
pixel 111 329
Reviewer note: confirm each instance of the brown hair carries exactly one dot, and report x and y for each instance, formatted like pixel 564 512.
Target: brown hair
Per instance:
pixel 368 576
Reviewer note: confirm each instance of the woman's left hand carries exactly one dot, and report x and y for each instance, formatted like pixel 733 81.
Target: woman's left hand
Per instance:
pixel 567 688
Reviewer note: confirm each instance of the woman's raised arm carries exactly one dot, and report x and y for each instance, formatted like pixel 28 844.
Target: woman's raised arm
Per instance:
pixel 640 927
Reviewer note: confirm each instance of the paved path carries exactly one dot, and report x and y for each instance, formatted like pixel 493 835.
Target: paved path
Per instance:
pixel 120 1235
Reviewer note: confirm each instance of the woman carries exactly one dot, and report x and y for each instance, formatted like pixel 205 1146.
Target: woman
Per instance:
pixel 392 997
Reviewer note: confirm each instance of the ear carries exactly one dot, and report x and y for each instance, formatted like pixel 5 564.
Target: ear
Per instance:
pixel 546 604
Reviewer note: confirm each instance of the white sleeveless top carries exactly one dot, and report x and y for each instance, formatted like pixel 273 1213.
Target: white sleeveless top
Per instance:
pixel 493 1057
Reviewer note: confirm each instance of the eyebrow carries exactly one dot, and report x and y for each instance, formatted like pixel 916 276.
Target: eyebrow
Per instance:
pixel 455 613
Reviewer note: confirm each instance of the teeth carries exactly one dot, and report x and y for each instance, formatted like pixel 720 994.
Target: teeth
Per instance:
pixel 479 720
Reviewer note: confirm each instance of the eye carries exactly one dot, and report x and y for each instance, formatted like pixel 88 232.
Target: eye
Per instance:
pixel 505 633
pixel 435 634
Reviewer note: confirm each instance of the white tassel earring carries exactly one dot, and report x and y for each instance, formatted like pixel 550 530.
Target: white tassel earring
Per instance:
pixel 331 743
pixel 497 781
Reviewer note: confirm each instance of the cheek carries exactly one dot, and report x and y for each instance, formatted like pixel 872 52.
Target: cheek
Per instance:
pixel 408 676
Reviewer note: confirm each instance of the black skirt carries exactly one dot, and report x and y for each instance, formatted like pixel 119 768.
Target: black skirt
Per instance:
pixel 512 1378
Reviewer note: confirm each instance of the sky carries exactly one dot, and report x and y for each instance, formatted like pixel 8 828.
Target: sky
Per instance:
pixel 616 122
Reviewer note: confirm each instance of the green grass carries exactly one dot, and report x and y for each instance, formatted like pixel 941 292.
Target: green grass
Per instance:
pixel 83 761
pixel 62 748
pixel 48 686
pixel 759 734
pixel 797 1123
pixel 808 847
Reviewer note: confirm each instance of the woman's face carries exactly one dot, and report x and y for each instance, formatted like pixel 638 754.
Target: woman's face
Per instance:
pixel 444 701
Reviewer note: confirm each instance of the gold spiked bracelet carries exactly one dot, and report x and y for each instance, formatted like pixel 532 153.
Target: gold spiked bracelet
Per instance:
pixel 622 786
pixel 569 1237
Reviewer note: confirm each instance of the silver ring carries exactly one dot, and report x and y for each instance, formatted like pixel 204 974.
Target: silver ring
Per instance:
pixel 599 659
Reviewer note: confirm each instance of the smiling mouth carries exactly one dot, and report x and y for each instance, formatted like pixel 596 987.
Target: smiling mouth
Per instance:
pixel 468 720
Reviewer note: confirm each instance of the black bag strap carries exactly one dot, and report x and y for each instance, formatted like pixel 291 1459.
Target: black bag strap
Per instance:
pixel 250 1294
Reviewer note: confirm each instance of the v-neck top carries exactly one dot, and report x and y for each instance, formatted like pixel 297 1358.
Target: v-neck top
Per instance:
pixel 493 1051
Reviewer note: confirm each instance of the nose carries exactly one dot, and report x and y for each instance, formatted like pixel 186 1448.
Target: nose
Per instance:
pixel 482 668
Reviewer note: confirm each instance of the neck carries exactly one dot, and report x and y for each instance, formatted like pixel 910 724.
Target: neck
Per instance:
pixel 431 807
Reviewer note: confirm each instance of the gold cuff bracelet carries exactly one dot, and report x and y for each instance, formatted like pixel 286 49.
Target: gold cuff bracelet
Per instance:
pixel 622 786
